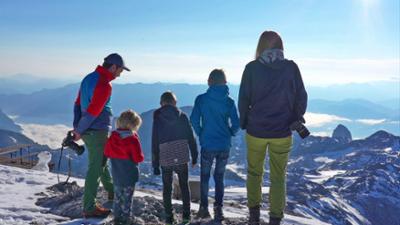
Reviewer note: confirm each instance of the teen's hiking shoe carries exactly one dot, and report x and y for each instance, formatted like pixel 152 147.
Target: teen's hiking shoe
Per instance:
pixel 254 218
pixel 218 214
pixel 110 196
pixel 274 221
pixel 169 220
pixel 186 217
pixel 203 213
pixel 98 212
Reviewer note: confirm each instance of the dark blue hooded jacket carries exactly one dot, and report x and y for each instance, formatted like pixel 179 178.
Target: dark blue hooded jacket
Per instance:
pixel 171 124
pixel 214 118
pixel 271 97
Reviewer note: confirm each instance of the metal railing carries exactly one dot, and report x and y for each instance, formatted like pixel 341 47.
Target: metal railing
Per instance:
pixel 25 158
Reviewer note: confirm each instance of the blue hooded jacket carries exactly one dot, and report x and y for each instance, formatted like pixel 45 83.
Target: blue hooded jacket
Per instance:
pixel 214 118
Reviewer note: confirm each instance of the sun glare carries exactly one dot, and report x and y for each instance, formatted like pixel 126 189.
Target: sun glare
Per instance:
pixel 368 5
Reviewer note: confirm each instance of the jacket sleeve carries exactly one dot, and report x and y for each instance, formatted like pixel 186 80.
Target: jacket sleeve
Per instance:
pixel 190 137
pixel 137 153
pixel 101 94
pixel 244 97
pixel 300 105
pixel 77 110
pixel 235 124
pixel 195 117
pixel 155 147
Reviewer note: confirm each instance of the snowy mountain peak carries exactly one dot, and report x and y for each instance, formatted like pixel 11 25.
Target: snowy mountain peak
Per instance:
pixel 380 136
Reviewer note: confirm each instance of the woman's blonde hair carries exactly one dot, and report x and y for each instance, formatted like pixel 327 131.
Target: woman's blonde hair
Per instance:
pixel 129 120
pixel 268 40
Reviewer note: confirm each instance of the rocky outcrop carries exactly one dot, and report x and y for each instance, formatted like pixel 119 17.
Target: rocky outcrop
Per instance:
pixel 342 134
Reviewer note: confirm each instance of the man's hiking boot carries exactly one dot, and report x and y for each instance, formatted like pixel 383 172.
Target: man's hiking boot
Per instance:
pixel 99 212
pixel 218 214
pixel 254 218
pixel 274 221
pixel 203 213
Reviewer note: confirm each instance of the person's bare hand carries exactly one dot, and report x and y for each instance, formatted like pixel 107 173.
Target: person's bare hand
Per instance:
pixel 77 136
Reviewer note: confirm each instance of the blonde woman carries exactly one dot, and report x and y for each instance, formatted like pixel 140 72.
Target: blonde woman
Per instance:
pixel 125 153
pixel 271 97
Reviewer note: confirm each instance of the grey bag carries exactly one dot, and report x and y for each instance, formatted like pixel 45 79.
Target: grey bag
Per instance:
pixel 174 153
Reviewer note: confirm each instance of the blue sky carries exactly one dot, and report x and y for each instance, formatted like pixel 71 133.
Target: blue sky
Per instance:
pixel 333 42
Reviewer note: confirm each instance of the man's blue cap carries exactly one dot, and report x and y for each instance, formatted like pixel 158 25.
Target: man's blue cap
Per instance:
pixel 116 59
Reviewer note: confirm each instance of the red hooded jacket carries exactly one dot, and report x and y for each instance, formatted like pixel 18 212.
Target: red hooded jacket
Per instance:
pixel 124 144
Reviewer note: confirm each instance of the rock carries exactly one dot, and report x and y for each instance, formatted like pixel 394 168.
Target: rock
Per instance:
pixel 65 199
pixel 194 187
pixel 342 134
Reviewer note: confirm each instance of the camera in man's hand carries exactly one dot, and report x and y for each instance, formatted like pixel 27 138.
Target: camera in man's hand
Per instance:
pixel 300 128
pixel 70 143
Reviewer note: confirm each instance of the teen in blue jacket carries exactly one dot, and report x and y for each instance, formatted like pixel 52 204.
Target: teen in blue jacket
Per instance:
pixel 215 120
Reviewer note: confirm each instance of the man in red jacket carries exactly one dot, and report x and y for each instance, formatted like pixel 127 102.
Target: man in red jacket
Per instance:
pixel 92 122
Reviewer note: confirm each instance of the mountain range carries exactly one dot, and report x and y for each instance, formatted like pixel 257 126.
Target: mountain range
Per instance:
pixel 336 179
pixel 27 83
pixel 382 92
pixel 54 106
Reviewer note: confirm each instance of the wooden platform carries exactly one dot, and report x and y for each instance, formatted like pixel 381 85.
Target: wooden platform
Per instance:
pixel 27 164
pixel 19 156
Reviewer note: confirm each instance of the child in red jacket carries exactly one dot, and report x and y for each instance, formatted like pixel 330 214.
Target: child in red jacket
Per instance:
pixel 125 153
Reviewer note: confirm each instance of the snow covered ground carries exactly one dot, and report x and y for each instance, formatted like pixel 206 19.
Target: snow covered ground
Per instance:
pixel 324 175
pixel 20 189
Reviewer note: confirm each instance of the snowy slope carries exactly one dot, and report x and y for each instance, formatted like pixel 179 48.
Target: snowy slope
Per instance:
pixel 20 190
pixel 356 182
pixel 6 123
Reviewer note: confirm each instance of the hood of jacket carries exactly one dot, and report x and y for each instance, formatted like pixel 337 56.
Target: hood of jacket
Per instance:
pixel 273 58
pixel 169 113
pixel 218 92
pixel 119 139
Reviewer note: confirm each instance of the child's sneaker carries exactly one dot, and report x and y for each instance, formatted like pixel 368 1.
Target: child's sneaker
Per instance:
pixel 186 220
pixel 120 222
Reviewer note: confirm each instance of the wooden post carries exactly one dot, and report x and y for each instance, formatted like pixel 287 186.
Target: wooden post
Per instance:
pixel 30 157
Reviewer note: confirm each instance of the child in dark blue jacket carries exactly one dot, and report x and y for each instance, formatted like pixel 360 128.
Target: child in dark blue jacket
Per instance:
pixel 215 121
pixel 172 137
